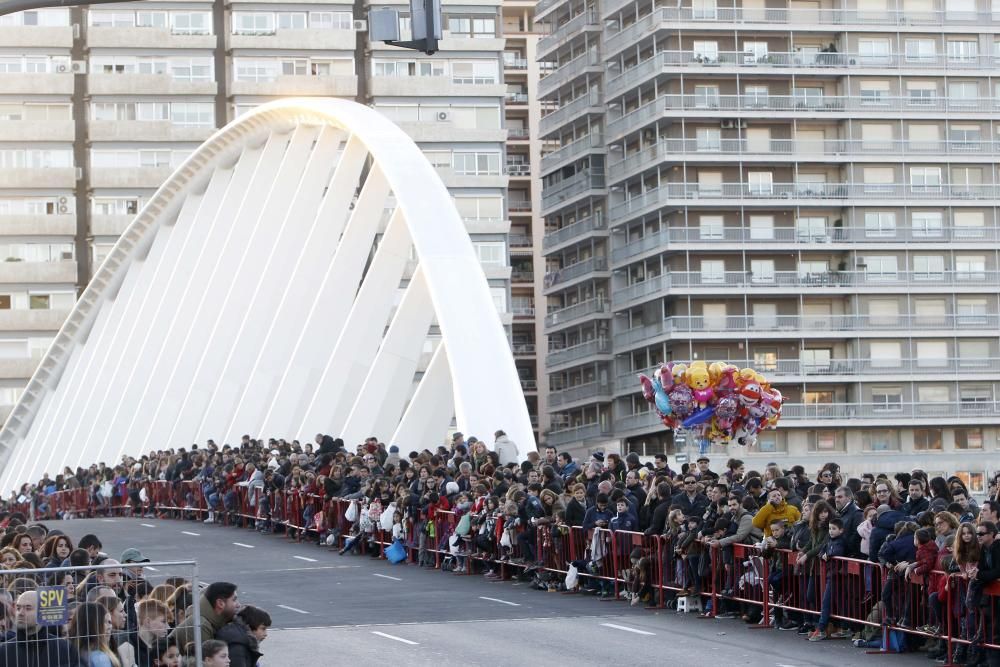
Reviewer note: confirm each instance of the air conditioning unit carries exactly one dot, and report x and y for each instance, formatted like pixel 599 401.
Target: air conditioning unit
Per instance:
pixel 62 209
pixel 728 124
pixel 443 116
pixel 742 124
pixel 63 201
pixel 63 68
pixel 360 25
pixel 73 67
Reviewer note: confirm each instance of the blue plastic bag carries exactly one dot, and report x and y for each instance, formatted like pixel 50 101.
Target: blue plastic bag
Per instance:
pixel 395 552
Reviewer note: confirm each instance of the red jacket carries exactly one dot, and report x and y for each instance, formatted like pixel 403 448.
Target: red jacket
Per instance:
pixel 926 558
pixel 938 578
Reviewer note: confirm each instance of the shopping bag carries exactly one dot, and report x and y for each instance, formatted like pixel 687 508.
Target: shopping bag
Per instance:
pixel 395 552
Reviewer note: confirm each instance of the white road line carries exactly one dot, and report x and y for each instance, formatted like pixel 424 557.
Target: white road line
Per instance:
pixel 245 546
pixel 147 525
pixel 151 569
pixel 308 560
pixel 386 576
pixel 108 520
pixel 188 532
pixel 297 611
pixel 395 638
pixel 512 604
pixel 627 629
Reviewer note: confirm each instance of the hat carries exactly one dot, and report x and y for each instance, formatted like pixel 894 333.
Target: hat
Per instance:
pixel 882 509
pixel 471 439
pixel 133 555
pixel 703 458
pixel 598 456
pixel 393 449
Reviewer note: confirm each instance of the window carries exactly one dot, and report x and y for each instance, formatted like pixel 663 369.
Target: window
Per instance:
pixel 39 301
pixel 927 224
pixel 710 227
pixel 708 138
pixel 880 224
pixel 112 19
pixel 474 73
pixel 768 441
pixel 762 227
pixel 874 92
pixel 710 183
pixel 706 51
pixel 191 23
pixel 706 97
pixel 880 441
pixel 703 9
pixel 491 253
pixel 930 393
pixel 253 23
pixel 815 360
pixel 930 313
pixel 874 51
pixel 932 353
pixel 331 20
pixel 756 96
pixel 963 93
pixel 968 438
pixel 921 92
pixel 885 354
pixel 880 267
pixel 962 51
pixel 759 183
pixel 887 399
pixel 975 399
pixel 808 97
pixel 970 267
pixel 928 267
pixel 480 209
pixel 974 354
pixel 192 114
pixel 291 21
pixel 713 271
pixel 191 69
pixel 925 179
pixel 826 441
pixel 969 224
pixel 920 50
pixel 971 311
pixel 151 19
pixel 975 482
pixel 762 271
pixel 927 439
pixel 476 164
pixel 813 271
pixel 765 361
pixel 811 229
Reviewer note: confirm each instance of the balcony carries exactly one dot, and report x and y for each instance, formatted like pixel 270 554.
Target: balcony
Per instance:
pixel 834 64
pixel 577 312
pixel 569 189
pixel 808 18
pixel 518 134
pixel 36 36
pixel 588 20
pixel 17 369
pixel 577 434
pixel 34 320
pixel 522 277
pixel 37 130
pixel 517 169
pixel 307 86
pixel 147 130
pixel 590 102
pixel 515 64
pixel 326 40
pixel 843 370
pixel 544 7
pixel 800 326
pixel 38 84
pixel 576 353
pixel 571 233
pixel 37 225
pixel 519 242
pixel 516 99
pixel 427 86
pixel 692 150
pixel 38 272
pixel 109 225
pixel 529 386
pixel 563 74
pixel 583 392
pixel 590 143
pixel 795 106
pixel 59 178
pixel 523 349
pixel 141 177
pixel 519 205
pixel 147 84
pixel 523 312
pixel 794 237
pixel 788 194
pixel 141 38
pixel 559 278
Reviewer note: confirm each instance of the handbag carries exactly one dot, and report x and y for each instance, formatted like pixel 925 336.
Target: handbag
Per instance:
pixel 395 552
pixel 464 525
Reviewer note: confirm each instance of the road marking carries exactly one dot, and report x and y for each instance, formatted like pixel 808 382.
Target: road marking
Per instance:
pixel 297 611
pixel 151 569
pixel 627 629
pixel 188 532
pixel 308 560
pixel 108 520
pixel 512 604
pixel 395 638
pixel 386 576
pixel 245 546
pixel 147 525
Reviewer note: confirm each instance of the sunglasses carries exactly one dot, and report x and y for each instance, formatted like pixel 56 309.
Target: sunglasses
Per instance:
pixel 981 534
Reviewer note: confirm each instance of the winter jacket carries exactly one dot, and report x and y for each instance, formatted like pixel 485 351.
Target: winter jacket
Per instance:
pixel 594 515
pixel 506 449
pixel 745 533
pixel 691 507
pixel 42 649
pixel 211 623
pixel 898 550
pixel 926 558
pixel 623 521
pixel 884 527
pixel 244 649
pixel 768 513
pixel 989 563
pixel 575 513
pixel 915 507
pixel 658 518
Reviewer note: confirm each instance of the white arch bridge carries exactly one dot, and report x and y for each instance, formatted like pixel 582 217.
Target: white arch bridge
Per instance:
pixel 257 293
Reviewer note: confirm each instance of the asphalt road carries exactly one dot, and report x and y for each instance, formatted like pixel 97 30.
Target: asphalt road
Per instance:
pixel 332 610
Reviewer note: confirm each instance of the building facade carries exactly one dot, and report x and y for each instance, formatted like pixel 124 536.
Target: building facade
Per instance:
pixel 806 188
pixel 98 106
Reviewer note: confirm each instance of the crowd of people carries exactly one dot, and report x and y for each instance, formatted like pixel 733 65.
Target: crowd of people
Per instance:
pixel 915 527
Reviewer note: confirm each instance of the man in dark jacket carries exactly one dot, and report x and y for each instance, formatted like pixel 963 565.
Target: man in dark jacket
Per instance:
pixel 852 517
pixel 244 634
pixel 916 502
pixel 885 524
pixel 33 645
pixel 689 500
pixel 659 517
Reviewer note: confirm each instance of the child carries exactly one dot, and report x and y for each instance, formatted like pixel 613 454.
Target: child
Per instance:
pixel 927 551
pixel 215 653
pixel 167 654
pixel 835 547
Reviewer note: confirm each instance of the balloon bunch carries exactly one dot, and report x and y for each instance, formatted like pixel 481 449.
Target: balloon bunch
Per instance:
pixel 718 402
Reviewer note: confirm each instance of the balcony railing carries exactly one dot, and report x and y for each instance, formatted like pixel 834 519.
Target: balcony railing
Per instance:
pixel 571 187
pixel 519 240
pixel 519 169
pixel 517 133
pixel 573 271
pixel 516 98
pixel 521 276
pixel 568 111
pixel 576 311
pixel 567 72
pixel 573 150
pixel 776 193
pixel 817 62
pixel 515 63
pixel 795 325
pixel 529 385
pixel 523 349
pixel 567 31
pixel 828 104
pixel 558 356
pixel 522 311
pixel 795 368
pixel 677 149
pixel 580 392
pixel 578 434
pixel 813 17
pixel 578 228
pixel 710 235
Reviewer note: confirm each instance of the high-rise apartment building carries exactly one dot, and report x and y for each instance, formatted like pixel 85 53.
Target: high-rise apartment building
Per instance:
pixel 98 105
pixel 806 187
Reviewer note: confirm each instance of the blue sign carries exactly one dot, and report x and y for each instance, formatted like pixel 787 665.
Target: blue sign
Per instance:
pixel 53 605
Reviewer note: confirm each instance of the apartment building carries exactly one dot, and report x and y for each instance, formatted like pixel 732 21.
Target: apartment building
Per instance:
pixel 806 187
pixel 98 105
